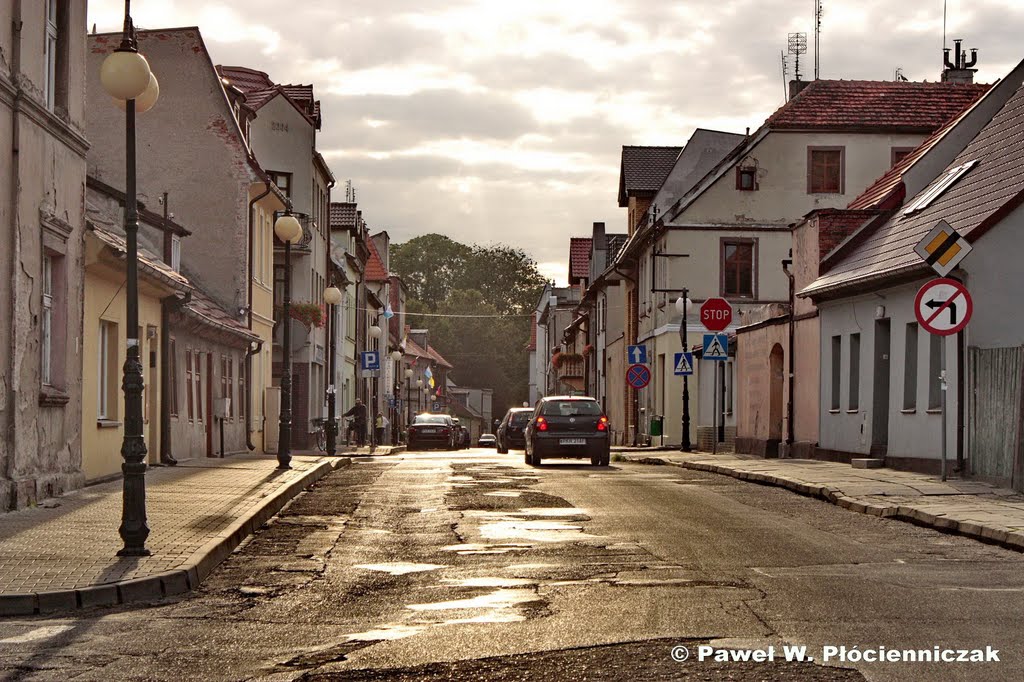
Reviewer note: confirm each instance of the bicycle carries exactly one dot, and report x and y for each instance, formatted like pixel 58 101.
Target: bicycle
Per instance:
pixel 320 430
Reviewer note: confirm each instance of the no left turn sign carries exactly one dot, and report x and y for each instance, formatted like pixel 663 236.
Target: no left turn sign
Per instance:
pixel 943 306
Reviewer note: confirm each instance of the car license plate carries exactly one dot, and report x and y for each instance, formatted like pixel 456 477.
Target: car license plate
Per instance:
pixel 572 441
pixel 429 430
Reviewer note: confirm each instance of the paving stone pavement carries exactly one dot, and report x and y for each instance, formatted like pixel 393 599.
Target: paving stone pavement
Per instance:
pixel 972 508
pixel 62 553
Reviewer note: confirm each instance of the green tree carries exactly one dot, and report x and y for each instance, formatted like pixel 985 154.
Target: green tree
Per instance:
pixel 429 265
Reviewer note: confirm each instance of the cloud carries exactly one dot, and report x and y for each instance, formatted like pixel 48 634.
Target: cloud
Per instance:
pixel 493 121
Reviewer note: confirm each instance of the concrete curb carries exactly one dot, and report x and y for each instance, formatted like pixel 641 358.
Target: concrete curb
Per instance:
pixel 997 535
pixel 169 583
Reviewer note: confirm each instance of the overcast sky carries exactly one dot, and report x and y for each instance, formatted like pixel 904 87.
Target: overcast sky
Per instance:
pixel 495 121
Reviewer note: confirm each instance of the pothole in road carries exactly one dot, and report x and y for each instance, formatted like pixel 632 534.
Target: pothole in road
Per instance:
pixel 483 548
pixel 399 567
pixel 503 493
pixel 501 598
pixel 489 582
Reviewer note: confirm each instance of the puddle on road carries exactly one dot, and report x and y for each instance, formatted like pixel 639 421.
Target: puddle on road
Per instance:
pixel 480 548
pixel 500 599
pixel 387 632
pixel 399 567
pixel 501 616
pixel 489 582
pixel 535 531
pixel 552 511
pixel 503 493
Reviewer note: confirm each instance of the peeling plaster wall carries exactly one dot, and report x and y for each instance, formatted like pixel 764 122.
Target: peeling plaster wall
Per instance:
pixel 42 181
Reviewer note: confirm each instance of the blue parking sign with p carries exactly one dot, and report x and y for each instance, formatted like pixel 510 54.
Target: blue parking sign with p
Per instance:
pixel 371 360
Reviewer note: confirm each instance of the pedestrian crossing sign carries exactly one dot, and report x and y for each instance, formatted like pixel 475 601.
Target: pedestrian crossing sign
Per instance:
pixel 684 364
pixel 716 347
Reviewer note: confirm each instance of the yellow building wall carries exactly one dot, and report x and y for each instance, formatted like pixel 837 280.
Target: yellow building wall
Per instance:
pixel 105 300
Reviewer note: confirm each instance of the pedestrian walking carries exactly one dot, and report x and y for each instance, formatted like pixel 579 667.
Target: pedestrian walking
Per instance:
pixel 357 424
pixel 378 429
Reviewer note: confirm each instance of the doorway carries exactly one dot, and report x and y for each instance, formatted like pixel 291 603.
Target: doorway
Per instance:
pixel 880 391
pixel 776 363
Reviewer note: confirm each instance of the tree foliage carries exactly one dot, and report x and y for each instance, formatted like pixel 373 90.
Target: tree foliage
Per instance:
pixel 500 283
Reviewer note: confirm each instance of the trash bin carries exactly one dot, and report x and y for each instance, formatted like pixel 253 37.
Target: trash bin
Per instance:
pixel 656 428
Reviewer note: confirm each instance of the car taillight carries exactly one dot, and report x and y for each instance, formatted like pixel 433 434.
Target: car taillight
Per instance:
pixel 602 423
pixel 542 424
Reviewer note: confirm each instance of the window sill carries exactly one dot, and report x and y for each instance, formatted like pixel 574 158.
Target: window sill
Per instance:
pixel 852 411
pixel 835 411
pixel 912 410
pixel 52 397
pixel 108 424
pixel 933 410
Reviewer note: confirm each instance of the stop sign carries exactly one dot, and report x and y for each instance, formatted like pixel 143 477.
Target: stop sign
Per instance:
pixel 715 314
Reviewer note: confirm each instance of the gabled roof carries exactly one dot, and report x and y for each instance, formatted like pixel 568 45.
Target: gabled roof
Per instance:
pixel 892 106
pixel 703 151
pixel 437 358
pixel 343 215
pixel 644 170
pixel 375 270
pixel 972 205
pixel 579 258
pixel 150 263
pixel 260 89
pixel 202 308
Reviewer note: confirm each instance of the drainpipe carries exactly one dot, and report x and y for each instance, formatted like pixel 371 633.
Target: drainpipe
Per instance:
pixel 8 426
pixel 249 352
pixel 248 375
pixel 167 306
pixel 786 263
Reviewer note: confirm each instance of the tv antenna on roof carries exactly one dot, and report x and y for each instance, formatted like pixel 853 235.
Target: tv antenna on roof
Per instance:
pixel 817 35
pixel 785 71
pixel 797 46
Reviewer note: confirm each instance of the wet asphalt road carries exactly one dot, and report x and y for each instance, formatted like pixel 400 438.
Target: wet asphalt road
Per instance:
pixel 471 565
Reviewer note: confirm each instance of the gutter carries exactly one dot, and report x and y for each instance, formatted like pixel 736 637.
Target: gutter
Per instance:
pixel 15 187
pixel 786 263
pixel 248 410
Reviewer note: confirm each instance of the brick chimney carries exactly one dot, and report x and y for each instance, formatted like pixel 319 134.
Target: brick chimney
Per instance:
pixel 795 87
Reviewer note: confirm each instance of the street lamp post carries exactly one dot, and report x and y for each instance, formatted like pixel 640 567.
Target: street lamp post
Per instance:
pixel 332 297
pixel 419 395
pixel 375 333
pixel 682 305
pixel 408 398
pixel 289 231
pixel 126 76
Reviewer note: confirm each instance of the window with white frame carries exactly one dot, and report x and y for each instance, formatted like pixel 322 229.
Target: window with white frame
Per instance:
pixel 46 325
pixel 176 253
pixel 106 396
pixel 50 50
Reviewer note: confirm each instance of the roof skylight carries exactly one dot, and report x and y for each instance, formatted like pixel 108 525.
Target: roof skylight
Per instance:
pixel 935 191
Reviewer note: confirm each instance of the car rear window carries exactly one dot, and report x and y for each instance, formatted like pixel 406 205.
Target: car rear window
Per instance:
pixel 518 418
pixel 570 408
pixel 430 419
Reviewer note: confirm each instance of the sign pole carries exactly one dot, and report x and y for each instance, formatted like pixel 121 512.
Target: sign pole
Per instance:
pixel 714 411
pixel 942 386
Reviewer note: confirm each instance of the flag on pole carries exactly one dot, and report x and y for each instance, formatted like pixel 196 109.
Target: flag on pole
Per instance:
pixel 430 377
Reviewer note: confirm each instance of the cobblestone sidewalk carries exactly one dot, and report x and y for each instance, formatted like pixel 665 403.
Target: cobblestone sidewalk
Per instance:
pixel 970 508
pixel 62 554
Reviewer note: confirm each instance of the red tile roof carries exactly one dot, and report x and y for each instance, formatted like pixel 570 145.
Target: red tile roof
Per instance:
pixel 259 90
pixel 343 215
pixel 375 270
pixel 203 308
pixel 644 169
pixel 894 106
pixel 579 258
pixel 436 357
pixel 972 205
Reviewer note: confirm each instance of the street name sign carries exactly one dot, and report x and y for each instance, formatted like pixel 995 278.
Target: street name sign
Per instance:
pixel 715 314
pixel 943 306
pixel 716 347
pixel 943 248
pixel 684 364
pixel 638 376
pixel 637 355
pixel 370 359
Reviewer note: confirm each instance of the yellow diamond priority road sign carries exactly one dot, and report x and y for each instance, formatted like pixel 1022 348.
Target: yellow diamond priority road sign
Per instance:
pixel 943 248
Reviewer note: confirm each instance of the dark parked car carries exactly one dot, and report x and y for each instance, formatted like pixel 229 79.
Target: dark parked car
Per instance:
pixel 510 431
pixel 568 426
pixel 432 430
pixel 487 440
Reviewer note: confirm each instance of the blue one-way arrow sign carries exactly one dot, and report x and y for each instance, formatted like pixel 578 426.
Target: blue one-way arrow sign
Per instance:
pixel 716 347
pixel 638 355
pixel 684 364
